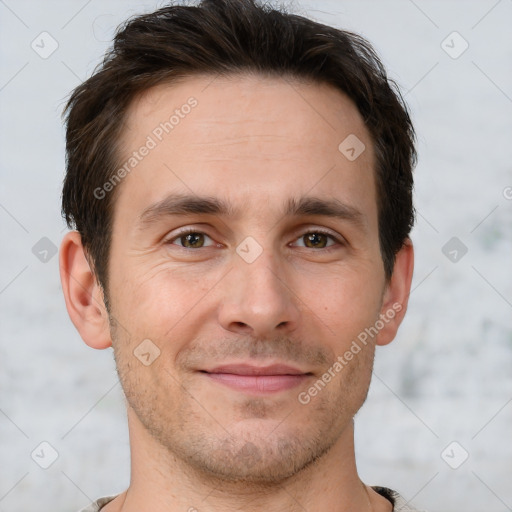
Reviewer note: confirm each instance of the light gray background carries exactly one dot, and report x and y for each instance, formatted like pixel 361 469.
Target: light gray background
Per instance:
pixel 447 377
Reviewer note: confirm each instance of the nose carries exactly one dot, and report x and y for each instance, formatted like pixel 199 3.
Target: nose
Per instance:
pixel 257 299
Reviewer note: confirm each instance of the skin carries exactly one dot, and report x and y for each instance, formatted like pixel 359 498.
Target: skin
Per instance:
pixel 255 143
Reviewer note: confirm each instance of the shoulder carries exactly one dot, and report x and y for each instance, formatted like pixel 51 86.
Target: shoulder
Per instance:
pixel 97 505
pixel 399 503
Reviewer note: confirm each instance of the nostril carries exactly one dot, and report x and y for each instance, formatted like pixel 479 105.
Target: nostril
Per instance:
pixel 240 327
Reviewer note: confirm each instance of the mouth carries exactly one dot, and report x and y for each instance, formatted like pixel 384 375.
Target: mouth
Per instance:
pixel 257 379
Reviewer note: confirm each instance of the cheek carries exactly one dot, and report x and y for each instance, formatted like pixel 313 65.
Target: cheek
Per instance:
pixel 154 300
pixel 347 302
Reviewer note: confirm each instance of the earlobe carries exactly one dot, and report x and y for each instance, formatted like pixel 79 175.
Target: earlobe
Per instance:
pixel 396 295
pixel 82 293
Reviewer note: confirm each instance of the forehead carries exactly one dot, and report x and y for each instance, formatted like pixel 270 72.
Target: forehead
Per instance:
pixel 247 138
pixel 261 106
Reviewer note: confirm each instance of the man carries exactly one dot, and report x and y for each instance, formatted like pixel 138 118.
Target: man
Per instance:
pixel 240 183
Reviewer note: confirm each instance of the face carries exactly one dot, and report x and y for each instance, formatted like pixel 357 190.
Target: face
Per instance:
pixel 245 249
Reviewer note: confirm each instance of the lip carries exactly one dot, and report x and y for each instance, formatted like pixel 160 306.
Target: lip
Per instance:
pixel 249 369
pixel 259 380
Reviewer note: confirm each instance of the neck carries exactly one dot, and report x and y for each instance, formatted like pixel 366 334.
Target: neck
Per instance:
pixel 161 482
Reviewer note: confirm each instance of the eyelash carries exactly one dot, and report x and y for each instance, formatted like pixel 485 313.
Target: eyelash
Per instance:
pixel 185 232
pixel 189 231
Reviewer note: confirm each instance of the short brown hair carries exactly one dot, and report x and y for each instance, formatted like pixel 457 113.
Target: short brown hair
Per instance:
pixel 228 37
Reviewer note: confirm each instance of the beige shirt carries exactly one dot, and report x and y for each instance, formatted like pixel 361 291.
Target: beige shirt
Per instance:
pixel 399 504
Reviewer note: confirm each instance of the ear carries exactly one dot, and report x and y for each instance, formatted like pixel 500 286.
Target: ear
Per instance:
pixel 396 294
pixel 83 295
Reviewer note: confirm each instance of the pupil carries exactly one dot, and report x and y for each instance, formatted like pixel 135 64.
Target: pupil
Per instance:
pixel 193 239
pixel 315 240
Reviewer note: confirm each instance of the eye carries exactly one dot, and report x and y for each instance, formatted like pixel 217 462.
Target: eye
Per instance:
pixel 316 240
pixel 191 240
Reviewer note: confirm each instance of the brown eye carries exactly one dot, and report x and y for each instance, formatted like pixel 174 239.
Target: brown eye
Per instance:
pixel 315 240
pixel 192 240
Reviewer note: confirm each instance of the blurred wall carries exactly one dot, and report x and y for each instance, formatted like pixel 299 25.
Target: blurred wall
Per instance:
pixel 437 424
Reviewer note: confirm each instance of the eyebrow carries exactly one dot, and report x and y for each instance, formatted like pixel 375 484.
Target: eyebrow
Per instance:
pixel 178 204
pixel 327 208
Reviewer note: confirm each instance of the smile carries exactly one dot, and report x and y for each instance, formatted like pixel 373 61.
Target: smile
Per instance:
pixel 258 380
